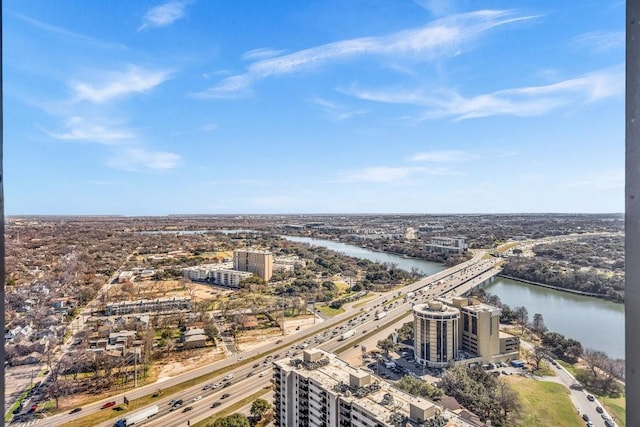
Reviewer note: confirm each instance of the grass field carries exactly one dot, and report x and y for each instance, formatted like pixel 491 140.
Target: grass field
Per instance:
pixel 617 408
pixel 328 311
pixel 544 404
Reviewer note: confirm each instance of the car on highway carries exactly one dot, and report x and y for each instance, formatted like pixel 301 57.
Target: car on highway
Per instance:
pixel 224 396
pixel 263 374
pixel 217 385
pixel 187 409
pixel 195 399
pixel 108 405
pixel 599 410
pixel 585 417
pixel 227 384
pixel 229 377
pixel 590 398
pixel 75 410
pixel 215 404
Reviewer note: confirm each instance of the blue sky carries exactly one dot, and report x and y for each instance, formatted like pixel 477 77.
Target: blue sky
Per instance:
pixel 328 106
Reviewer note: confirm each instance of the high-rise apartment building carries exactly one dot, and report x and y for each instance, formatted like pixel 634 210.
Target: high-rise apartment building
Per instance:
pixel 460 330
pixel 436 333
pixel 324 391
pixel 257 262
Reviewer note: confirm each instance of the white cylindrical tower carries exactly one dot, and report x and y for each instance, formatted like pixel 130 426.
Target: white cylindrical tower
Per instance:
pixel 435 327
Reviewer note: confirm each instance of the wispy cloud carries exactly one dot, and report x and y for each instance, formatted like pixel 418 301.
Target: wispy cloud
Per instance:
pixel 337 112
pixel 523 102
pixel 437 7
pixel 118 84
pixel 261 53
pixel 445 37
pixel 601 41
pixel 80 129
pixel 68 33
pixel 137 159
pixel 379 174
pixel 442 156
pixel 164 14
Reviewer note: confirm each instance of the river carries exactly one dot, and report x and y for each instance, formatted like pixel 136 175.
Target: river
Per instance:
pixel 596 323
pixel 426 268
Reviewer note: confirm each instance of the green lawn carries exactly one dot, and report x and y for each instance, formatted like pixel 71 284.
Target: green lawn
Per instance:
pixel 544 404
pixel 328 311
pixel 616 407
pixel 569 367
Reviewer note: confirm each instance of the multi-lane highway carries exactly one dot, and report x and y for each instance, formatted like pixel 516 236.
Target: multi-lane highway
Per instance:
pixel 324 335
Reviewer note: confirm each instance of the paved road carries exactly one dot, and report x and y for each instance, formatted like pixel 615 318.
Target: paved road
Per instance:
pixel 428 286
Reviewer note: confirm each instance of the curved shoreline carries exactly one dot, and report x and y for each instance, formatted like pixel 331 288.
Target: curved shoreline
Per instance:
pixel 556 288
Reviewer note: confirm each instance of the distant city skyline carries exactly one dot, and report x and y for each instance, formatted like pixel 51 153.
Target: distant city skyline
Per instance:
pixel 425 106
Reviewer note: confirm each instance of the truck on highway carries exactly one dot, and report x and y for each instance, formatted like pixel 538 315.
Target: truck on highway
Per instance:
pixel 347 334
pixel 137 417
pixel 381 314
pixel 411 294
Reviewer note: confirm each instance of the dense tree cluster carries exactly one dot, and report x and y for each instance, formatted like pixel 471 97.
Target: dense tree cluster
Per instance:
pixel 417 387
pixel 484 394
pixel 563 348
pixel 609 286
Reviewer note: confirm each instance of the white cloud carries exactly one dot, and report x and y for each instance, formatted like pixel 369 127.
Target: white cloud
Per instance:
pixel 601 41
pixel 79 129
pixel 68 33
pixel 163 15
pixel 444 37
pixel 136 158
pixel 337 112
pixel 119 84
pixel 261 53
pixel 523 102
pixel 443 156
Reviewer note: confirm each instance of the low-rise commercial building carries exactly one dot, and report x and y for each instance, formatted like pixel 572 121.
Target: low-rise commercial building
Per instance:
pixel 148 305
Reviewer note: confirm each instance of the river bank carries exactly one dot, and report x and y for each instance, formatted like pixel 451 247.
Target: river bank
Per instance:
pixel 557 288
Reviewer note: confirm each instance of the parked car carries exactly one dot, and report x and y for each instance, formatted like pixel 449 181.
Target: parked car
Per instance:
pixel 599 410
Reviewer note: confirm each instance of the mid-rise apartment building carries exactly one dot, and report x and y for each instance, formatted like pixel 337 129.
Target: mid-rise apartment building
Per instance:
pixel 257 262
pixel 216 274
pixel 447 245
pixel 324 391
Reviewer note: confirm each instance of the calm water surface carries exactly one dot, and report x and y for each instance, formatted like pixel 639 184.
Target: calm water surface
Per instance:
pixel 424 267
pixel 596 323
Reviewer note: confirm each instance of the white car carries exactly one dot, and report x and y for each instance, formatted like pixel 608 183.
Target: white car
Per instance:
pixel 195 399
pixel 263 374
pixel 217 385
pixel 229 377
